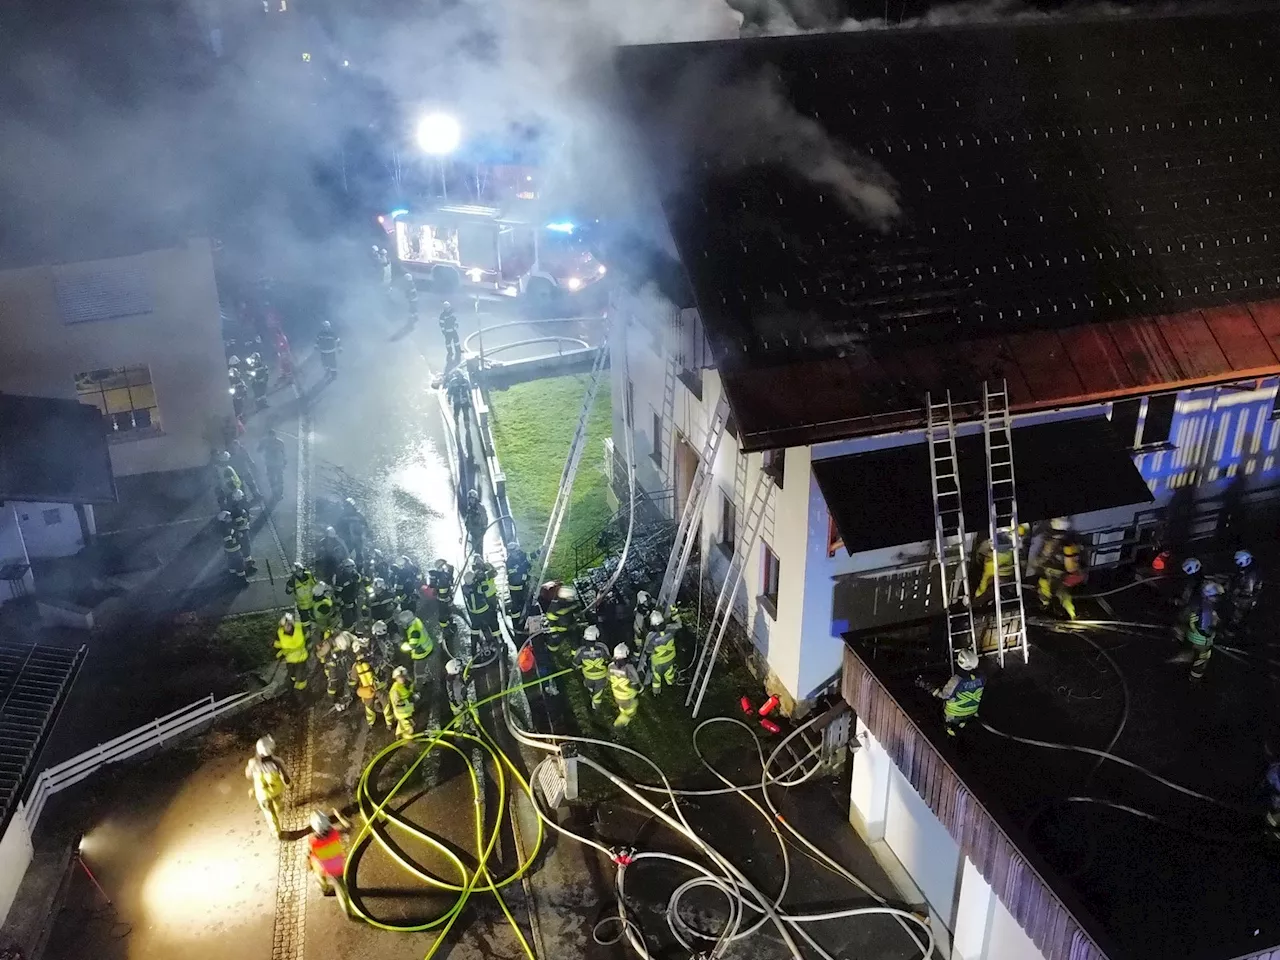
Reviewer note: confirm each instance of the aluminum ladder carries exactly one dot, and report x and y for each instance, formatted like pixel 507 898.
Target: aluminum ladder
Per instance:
pixel 695 502
pixel 948 524
pixel 564 494
pixel 706 658
pixel 1002 509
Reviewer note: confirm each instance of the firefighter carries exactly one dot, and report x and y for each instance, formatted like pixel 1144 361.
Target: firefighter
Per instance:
pixel 323 615
pixel 376 566
pixel 291 645
pixel 1061 567
pixel 369 686
pixel 517 577
pixel 402 701
pixel 486 579
pixel 640 621
pixel 994 561
pixel 326 858
pixel 346 588
pixel 337 666
pixel 1192 581
pixel 411 297
pixel 239 391
pixel 476 519
pixel 457 388
pixel 327 346
pixel 455 686
pixel 449 328
pixel 227 478
pixel 330 552
pixel 301 586
pixel 273 455
pixel 624 681
pixel 1242 591
pixel 259 379
pixel 481 613
pixel 592 658
pixel 1198 628
pixel 353 529
pixel 660 652
pixel 381 600
pixel 407 577
pixel 269 778
pixel 962 694
pixel 417 643
pixel 381 641
pixel 442 582
pixel 232 549
pixel 242 523
pixel 564 618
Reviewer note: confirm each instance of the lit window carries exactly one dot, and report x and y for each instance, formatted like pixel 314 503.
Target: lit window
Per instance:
pixel 124 395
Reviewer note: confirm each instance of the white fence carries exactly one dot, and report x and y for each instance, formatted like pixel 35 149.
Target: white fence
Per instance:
pixel 151 735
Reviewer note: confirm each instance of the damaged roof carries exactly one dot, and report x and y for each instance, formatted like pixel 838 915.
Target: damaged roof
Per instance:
pixel 1089 209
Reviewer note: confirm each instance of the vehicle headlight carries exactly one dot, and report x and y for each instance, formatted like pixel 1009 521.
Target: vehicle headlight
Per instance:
pixel 575 283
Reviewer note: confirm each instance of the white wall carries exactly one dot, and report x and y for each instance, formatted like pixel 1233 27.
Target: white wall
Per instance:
pixel 180 339
pixel 51 529
pixel 12 548
pixel 916 848
pixel 15 856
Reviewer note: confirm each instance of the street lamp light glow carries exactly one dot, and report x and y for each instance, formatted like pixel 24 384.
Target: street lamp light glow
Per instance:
pixel 439 134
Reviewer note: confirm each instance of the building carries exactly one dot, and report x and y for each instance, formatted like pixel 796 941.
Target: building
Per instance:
pixel 138 335
pixel 1084 211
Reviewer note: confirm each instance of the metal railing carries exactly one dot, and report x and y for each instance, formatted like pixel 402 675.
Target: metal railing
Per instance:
pixel 146 737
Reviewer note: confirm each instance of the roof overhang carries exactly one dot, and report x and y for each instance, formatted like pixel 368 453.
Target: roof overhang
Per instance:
pixel 54 451
pixel 1063 468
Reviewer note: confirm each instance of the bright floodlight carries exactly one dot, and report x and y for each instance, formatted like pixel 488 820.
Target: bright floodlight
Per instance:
pixel 439 134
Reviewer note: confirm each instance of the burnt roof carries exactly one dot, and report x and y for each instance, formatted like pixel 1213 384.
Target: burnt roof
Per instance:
pixel 1048 176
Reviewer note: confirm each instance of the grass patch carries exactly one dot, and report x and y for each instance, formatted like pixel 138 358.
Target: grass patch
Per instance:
pixel 533 425
pixel 244 643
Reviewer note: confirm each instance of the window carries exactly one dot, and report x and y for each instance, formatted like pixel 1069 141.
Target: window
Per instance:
pixel 656 455
pixel 1124 419
pixel 1159 420
pixel 52 517
pixel 770 574
pixel 772 463
pixel 629 404
pixel 834 540
pixel 102 295
pixel 125 397
pixel 728 522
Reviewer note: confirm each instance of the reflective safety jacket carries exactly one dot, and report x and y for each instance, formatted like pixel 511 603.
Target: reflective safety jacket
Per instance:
pixel 442 582
pixel 326 850
pixel 562 616
pixel 231 542
pixel 486 581
pixel 593 660
pixel 1202 626
pixel 401 699
pixel 301 586
pixel 382 606
pixel 624 681
pixel 293 645
pixel 517 569
pixel 347 586
pixel 661 647
pixel 962 695
pixel 228 479
pixel 267 775
pixel 324 610
pixel 418 640
pixel 365 679
pixel 476 599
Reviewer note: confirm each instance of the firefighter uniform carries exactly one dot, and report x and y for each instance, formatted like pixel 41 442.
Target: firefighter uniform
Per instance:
pixel 233 552
pixel 624 681
pixel 961 696
pixel 417 642
pixel 301 586
pixel 991 561
pixel 324 613
pixel 449 328
pixel 517 578
pixel 291 644
pixel 442 581
pixel 1198 626
pixel 337 665
pixel 1063 569
pixel 328 861
pixel 382 602
pixel 370 688
pixel 269 778
pixel 402 705
pixel 482 611
pixel 592 658
pixel 563 617
pixel 347 589
pixel 660 648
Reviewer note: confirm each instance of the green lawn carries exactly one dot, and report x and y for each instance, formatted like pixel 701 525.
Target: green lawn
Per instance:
pixel 242 643
pixel 533 425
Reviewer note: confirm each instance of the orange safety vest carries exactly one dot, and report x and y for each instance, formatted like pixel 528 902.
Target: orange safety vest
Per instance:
pixel 327 851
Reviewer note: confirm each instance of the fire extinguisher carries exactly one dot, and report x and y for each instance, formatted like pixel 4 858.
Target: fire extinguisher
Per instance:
pixel 768 706
pixel 770 726
pixel 745 703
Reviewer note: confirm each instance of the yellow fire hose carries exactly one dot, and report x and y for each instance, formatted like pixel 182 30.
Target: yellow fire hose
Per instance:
pixel 378 819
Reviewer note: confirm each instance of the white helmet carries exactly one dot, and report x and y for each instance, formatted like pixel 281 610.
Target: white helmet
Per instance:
pixel 359 646
pixel 967 660
pixel 1243 558
pixel 265 746
pixel 643 599
pixel 454 667
pixel 469 578
pixel 621 652
pixel 223 456
pixel 320 823
pixel 1060 523
pixel 567 592
pixel 447 305
pixel 379 628
pixel 1191 566
pixel 287 621
pixel 405 617
pixel 233 361
pixel 330 532
pixel 591 634
pixel 342 641
pixel 1210 590
pixel 655 619
pixel 321 589
pixel 224 516
pixel 237 495
pixel 400 673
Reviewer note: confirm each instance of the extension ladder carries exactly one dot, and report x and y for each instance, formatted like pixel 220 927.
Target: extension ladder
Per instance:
pixel 695 502
pixel 563 495
pixel 948 524
pixel 1002 510
pixel 729 592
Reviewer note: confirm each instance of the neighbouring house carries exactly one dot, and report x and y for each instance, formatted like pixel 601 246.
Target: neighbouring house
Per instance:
pixel 1085 211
